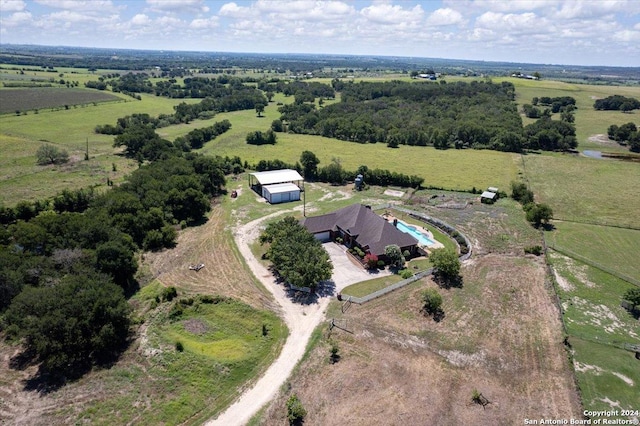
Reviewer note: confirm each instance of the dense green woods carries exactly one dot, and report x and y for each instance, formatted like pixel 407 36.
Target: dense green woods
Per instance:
pixel 479 115
pixel 66 264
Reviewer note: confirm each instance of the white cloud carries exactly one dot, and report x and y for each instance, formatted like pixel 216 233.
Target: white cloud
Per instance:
pixel 209 23
pixel 18 18
pixel 12 5
pixel 140 19
pixel 232 10
pixel 79 5
pixel 446 16
pixel 70 16
pixel 512 23
pixel 388 14
pixel 627 36
pixel 195 6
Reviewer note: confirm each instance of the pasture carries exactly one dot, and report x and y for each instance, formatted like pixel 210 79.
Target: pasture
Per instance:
pixel 598 327
pixel 586 189
pixel 20 137
pixel 588 122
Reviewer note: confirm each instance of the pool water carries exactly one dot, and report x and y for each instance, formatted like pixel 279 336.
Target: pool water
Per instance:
pixel 411 230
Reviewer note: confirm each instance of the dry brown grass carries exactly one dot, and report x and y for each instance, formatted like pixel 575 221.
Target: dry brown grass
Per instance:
pixel 224 272
pixel 500 335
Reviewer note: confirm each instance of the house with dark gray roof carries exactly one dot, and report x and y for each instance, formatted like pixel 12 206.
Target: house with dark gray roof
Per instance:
pixel 358 225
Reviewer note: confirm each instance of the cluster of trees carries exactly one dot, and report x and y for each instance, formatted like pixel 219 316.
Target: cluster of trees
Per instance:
pixel 442 115
pixel 302 90
pixel 536 213
pixel 297 256
pixel 261 138
pixel 66 263
pixel 625 134
pixel 617 103
pixel 143 143
pixel 196 138
pixel 550 135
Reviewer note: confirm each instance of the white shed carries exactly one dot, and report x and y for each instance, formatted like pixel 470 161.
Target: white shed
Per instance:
pixel 281 193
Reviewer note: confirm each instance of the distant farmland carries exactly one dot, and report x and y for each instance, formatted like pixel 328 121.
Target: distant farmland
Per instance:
pixel 45 97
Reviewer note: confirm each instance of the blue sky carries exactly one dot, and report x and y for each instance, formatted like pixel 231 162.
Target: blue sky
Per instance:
pixel 579 32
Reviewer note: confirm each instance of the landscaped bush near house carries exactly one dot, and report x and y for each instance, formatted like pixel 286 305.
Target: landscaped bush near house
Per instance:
pixel 406 273
pixel 371 260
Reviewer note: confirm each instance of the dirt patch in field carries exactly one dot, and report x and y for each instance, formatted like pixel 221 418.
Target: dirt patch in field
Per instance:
pixel 500 334
pixel 602 139
pixel 195 326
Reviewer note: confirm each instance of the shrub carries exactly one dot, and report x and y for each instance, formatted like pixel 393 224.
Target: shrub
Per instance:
pixel 295 410
pixel 537 250
pixel 380 264
pixel 179 346
pixel 50 154
pixel 371 260
pixel 406 273
pixel 432 301
pixel 334 353
pixel 169 293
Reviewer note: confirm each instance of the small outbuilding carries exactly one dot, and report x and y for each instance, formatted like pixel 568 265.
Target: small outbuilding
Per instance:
pixel 488 197
pixel 281 193
pixel 277 186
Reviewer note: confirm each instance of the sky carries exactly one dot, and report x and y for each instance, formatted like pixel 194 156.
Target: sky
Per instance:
pixel 571 32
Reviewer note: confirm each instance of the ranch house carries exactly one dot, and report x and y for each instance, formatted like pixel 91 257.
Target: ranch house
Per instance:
pixel 359 226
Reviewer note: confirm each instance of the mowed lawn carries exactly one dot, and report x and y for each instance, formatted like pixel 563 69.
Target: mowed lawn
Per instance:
pixel 586 189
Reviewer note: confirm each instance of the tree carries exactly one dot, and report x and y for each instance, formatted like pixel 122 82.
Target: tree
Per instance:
pixel 394 256
pixel 371 260
pixel 259 109
pixel 309 163
pixel 633 296
pixel 118 260
pixel 295 411
pixel 431 301
pixel 82 320
pixel 521 193
pixel 538 213
pixel 297 256
pixel 50 154
pixel 445 263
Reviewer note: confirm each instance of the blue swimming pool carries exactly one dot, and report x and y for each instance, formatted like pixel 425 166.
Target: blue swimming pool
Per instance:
pixel 413 231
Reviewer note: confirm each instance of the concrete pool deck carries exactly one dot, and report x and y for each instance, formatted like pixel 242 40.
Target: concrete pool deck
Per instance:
pixel 436 244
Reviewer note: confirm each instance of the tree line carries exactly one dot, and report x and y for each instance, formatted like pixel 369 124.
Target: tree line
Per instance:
pixel 617 103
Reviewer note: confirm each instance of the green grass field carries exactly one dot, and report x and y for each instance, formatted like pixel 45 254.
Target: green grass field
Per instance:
pixel 585 189
pixel 614 248
pixel 223 347
pixel 21 136
pixel 598 327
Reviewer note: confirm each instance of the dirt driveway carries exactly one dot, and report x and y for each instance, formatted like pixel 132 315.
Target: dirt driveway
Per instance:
pixel 300 319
